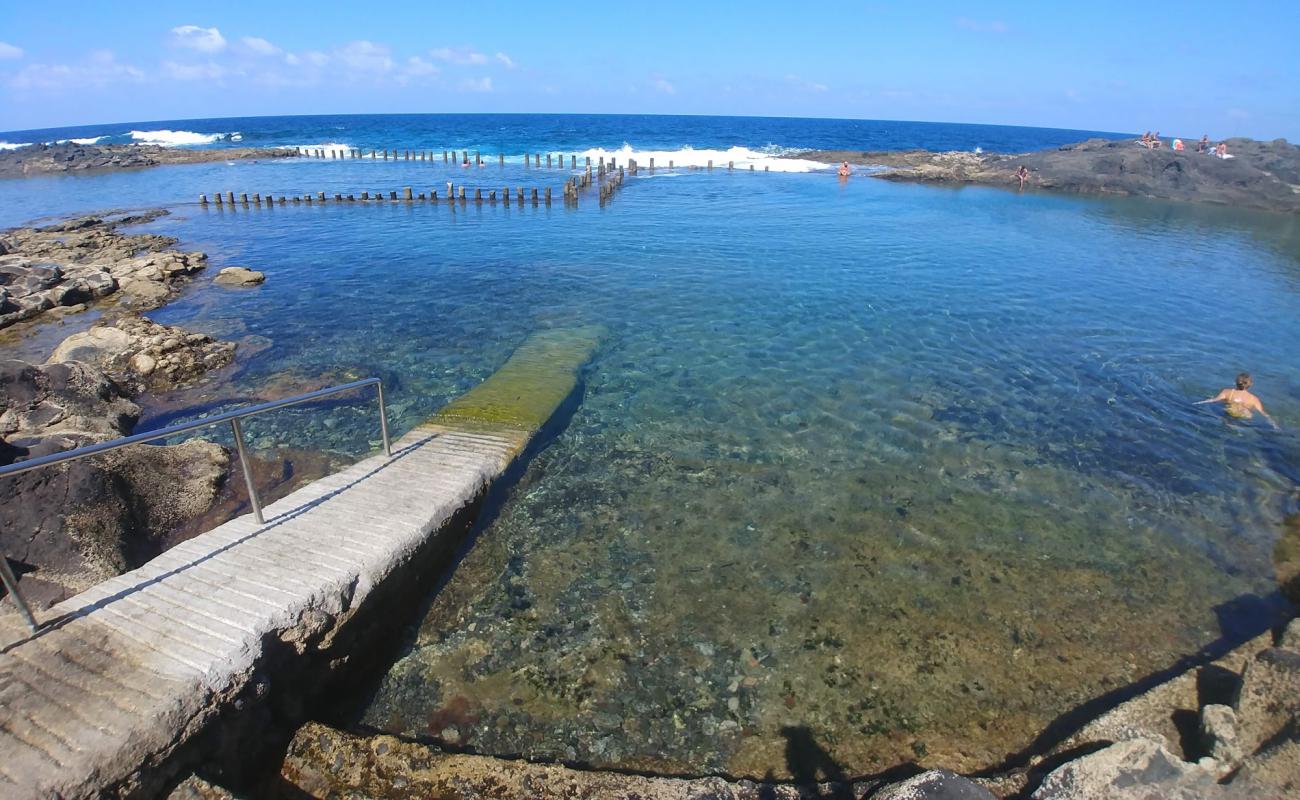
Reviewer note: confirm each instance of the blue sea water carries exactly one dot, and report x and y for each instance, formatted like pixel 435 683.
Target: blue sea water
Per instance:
pixel 914 467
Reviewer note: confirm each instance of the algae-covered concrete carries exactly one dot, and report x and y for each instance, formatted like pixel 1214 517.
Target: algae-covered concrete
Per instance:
pixel 196 656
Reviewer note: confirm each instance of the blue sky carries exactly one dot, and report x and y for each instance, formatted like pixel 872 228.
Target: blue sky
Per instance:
pixel 1185 68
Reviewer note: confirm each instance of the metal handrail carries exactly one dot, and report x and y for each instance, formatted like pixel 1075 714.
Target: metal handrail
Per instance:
pixel 233 417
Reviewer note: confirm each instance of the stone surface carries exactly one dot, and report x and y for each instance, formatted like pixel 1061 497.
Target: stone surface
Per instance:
pixel 1276 766
pixel 77 262
pixel 73 524
pixel 1219 734
pixel 43 159
pixel 1269 700
pixel 323 762
pixel 195 788
pixel 1137 769
pixel 1263 175
pixel 937 784
pixel 1291 636
pixel 143 355
pixel 239 276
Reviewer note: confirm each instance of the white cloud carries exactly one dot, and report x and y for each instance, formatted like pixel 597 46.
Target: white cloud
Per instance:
pixel 259 46
pixel 806 86
pixel 483 84
pixel 8 52
pixel 192 37
pixel 991 26
pixel 417 67
pixel 458 55
pixel 193 72
pixel 664 86
pixel 505 59
pixel 365 56
pixel 100 68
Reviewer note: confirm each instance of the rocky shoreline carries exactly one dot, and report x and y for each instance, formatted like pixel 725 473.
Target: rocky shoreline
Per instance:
pixel 53 159
pixel 1260 175
pixel 70 526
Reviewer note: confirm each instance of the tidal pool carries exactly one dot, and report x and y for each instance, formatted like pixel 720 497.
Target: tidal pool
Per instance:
pixel 915 469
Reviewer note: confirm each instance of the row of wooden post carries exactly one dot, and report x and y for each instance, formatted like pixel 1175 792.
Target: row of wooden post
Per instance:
pixel 449 157
pixel 454 194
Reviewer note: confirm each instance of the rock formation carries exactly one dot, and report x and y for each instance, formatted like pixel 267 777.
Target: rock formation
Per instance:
pixel 44 159
pixel 239 276
pixel 1261 175
pixel 71 264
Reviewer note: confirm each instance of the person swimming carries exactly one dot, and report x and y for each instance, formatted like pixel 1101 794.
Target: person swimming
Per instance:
pixel 1239 403
pixel 844 170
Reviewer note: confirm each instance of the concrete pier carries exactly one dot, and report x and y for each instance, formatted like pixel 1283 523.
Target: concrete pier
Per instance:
pixel 128 682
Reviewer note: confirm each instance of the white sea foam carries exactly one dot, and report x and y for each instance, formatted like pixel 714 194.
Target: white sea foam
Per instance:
pixel 13 145
pixel 768 157
pixel 310 149
pixel 177 138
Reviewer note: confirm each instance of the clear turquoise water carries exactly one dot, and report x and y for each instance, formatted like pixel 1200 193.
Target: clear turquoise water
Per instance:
pixel 915 467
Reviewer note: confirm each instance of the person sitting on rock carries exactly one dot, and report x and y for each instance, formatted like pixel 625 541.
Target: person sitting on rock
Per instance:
pixel 1023 175
pixel 1145 141
pixel 1239 402
pixel 1178 144
pixel 1204 145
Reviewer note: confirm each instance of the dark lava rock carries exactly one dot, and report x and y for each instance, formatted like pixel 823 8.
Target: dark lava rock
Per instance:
pixel 72 525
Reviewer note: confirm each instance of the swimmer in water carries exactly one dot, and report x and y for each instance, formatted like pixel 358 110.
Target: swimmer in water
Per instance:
pixel 844 170
pixel 1239 402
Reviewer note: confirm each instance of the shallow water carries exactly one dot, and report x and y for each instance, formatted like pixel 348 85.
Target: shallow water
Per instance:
pixel 916 468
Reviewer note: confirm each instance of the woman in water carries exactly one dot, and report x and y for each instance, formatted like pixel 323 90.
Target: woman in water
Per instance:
pixel 1239 402
pixel 844 170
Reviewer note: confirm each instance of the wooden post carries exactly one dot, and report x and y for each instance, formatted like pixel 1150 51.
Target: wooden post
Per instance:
pixel 444 156
pixel 478 197
pixel 478 159
pixel 548 195
pixel 321 196
pixel 385 153
pixel 352 199
pixel 230 198
pixel 505 195
pixel 520 194
pixel 392 195
pixel 588 161
pixel 461 195
pixel 710 165
pixel 433 195
pixel 257 199
pixel 464 157
pixel 297 199
pixel 338 198
pixel 652 165
pixel 767 168
pixel 407 194
pixel 670 163
pixel 307 197
pixel 365 195
pixel 573 162
pixel 450 190
pixel 203 200
pixel 501 159
pixel 548 160
pixel 751 167
pixel 492 197
pixel 730 165
pixel 534 197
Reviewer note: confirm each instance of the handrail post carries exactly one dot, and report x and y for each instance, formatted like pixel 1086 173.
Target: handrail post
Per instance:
pixel 248 471
pixel 383 420
pixel 11 586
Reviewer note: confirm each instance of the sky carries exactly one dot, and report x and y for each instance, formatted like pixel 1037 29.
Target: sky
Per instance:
pixel 1184 68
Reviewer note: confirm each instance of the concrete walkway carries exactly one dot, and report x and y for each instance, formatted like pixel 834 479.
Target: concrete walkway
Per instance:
pixel 133 668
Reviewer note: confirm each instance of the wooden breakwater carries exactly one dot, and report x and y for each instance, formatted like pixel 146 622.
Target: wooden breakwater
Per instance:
pixel 606 180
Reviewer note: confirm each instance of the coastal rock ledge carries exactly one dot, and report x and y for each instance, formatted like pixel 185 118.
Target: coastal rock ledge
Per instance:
pixel 64 267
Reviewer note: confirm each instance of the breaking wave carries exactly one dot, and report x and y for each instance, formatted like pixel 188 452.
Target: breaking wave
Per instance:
pixel 168 138
pixel 770 158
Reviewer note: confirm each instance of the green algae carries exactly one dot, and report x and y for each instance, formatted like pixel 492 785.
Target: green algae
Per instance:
pixel 528 389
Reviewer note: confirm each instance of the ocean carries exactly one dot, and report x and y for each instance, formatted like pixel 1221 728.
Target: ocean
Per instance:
pixel 915 468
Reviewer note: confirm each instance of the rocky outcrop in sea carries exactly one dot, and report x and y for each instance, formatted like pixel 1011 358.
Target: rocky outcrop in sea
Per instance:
pixel 63 268
pixel 44 159
pixel 1260 175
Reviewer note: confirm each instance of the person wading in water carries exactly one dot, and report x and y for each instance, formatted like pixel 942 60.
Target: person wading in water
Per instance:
pixel 1239 402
